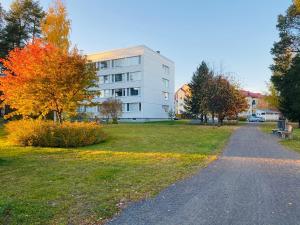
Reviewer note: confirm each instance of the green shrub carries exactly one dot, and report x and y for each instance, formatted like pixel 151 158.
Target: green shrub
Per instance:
pixel 242 119
pixel 50 134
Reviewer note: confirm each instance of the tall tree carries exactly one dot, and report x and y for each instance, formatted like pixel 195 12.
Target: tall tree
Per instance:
pixel 197 103
pixel 56 27
pixel 40 78
pixel 284 51
pixel 225 99
pixel 289 103
pixel 1 17
pixel 22 25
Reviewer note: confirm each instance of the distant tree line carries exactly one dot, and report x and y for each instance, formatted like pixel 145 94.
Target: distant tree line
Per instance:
pixel 213 95
pixel 285 80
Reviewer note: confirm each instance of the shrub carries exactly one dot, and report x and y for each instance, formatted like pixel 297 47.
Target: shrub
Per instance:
pixel 242 119
pixel 50 134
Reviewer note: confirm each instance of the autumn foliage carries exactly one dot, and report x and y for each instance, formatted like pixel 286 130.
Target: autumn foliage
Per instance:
pixel 41 79
pixel 49 134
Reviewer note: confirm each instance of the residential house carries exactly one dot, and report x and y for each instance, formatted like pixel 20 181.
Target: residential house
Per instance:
pixel 180 96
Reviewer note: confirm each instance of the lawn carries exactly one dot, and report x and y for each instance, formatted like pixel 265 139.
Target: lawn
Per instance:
pixel 293 144
pixel 88 185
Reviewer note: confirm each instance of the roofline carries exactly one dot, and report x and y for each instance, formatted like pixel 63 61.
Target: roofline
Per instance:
pixel 136 46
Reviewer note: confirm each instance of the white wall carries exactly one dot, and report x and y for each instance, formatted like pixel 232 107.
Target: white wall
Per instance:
pixel 151 84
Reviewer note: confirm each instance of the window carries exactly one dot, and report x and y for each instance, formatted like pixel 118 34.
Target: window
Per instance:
pixel 107 93
pixel 166 69
pixel 133 91
pixel 131 107
pixel 119 92
pixel 134 76
pixel 166 95
pixel 133 61
pixel 165 83
pixel 130 61
pixel 105 79
pixel 165 108
pixel 103 64
pixel 82 108
pixel 118 63
pixel 118 77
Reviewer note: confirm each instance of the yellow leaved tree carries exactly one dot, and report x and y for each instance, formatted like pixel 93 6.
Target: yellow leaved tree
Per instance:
pixel 56 27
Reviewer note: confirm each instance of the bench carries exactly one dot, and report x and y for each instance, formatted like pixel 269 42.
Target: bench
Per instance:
pixel 287 133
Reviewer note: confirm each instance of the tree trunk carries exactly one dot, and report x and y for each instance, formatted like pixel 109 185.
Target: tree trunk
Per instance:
pixel 299 124
pixel 213 118
pixel 59 117
pixel 205 119
pixel 201 118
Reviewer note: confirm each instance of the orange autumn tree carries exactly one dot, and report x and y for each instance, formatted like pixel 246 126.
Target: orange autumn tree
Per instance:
pixel 41 79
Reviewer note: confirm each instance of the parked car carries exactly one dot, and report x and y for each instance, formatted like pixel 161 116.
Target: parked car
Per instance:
pixel 256 119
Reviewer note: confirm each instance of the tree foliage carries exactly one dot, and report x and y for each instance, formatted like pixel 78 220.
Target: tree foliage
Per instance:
pixel 21 25
pixel 289 103
pixel 286 53
pixel 214 95
pixel 225 100
pixel 40 79
pixel 111 108
pixel 56 27
pixel 197 103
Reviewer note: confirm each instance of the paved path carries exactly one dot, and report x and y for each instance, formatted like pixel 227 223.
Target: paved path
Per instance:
pixel 255 182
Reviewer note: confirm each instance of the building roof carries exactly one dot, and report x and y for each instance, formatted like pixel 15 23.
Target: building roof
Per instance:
pixel 251 94
pixel 123 53
pixel 185 88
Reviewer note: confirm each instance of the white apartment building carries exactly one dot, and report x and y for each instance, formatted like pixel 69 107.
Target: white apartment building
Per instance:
pixel 141 78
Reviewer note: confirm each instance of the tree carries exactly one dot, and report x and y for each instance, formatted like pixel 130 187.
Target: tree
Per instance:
pixel 22 25
pixel 285 51
pixel 56 27
pixel 289 103
pixel 111 108
pixel 197 103
pixel 272 97
pixel 2 13
pixel 40 79
pixel 225 99
pixel 171 114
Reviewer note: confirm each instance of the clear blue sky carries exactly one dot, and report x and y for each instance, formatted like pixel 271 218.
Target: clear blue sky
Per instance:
pixel 235 35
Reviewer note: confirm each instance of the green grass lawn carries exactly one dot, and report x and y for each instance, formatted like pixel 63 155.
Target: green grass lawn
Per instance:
pixel 88 185
pixel 293 144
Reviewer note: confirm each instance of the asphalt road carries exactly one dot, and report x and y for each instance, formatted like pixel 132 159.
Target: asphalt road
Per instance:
pixel 255 182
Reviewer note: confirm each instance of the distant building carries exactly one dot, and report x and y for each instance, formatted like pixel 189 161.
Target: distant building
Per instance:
pixel 258 106
pixel 180 95
pixel 141 78
pixel 267 114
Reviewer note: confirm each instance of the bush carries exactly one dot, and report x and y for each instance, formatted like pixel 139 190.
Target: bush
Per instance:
pixel 242 119
pixel 50 134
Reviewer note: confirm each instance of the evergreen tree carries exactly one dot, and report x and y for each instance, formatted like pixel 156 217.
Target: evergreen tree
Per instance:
pixel 286 53
pixel 197 103
pixel 289 103
pixel 22 25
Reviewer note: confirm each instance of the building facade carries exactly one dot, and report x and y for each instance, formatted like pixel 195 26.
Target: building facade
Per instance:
pixel 141 78
pixel 180 96
pixel 258 106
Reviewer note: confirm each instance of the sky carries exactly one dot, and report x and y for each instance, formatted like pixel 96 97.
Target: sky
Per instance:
pixel 233 36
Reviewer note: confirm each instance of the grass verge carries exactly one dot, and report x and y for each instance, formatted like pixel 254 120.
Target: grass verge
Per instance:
pixel 88 185
pixel 293 144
